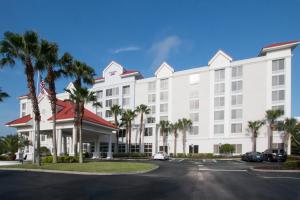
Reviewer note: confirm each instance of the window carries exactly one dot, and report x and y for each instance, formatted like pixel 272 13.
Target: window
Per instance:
pixel 219 101
pixel 238 148
pixel 99 94
pixel 112 92
pixel 194 104
pixel 163 148
pixel 122 133
pixel 278 95
pixel 194 94
pixel 194 117
pixel 151 98
pixel 108 113
pixel 163 118
pixel 278 107
pixel 43 137
pixel 121 148
pixel 219 115
pixel 219 128
pixel 151 120
pixel 152 109
pixel 135 148
pixel 220 75
pixel 23 107
pixel 237 71
pixel 194 78
pixel 219 88
pixel 193 149
pixel 164 96
pixel 216 148
pixel 151 86
pixel 164 84
pixel 237 114
pixel 163 107
pixel 236 100
pixel 236 128
pixel 126 90
pixel 111 102
pixel 236 86
pixel 148 131
pixel 278 145
pixel 278 80
pixel 148 149
pixel 194 130
pixel 278 65
pixel 126 101
pixel 99 113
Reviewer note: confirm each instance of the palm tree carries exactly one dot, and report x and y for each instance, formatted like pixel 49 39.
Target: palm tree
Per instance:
pixel 174 127
pixel 254 126
pixel 81 73
pixel 127 117
pixel 48 61
pixel 164 128
pixel 184 125
pixel 292 129
pixel 3 95
pixel 82 96
pixel 271 117
pixel 24 47
pixel 142 109
pixel 116 110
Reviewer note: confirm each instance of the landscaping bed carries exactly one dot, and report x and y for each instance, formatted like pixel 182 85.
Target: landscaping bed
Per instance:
pixel 98 167
pixel 292 163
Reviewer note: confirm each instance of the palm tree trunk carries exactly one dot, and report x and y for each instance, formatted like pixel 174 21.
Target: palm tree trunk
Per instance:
pixel 80 142
pixel 129 137
pixel 183 141
pixel 175 143
pixel 140 138
pixel 271 137
pixel 29 71
pixel 117 135
pixel 254 144
pixel 54 137
pixel 127 133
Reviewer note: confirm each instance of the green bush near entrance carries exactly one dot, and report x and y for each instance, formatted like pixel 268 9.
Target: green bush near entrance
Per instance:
pixel 130 155
pixel 60 159
pixel 227 149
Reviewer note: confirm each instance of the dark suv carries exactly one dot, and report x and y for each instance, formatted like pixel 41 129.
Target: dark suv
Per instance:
pixel 275 155
pixel 252 157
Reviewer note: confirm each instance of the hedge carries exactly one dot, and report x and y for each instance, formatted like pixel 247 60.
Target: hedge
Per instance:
pixel 130 155
pixel 60 159
pixel 292 164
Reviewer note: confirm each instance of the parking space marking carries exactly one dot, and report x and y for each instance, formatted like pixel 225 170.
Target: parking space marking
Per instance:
pixel 280 177
pixel 181 160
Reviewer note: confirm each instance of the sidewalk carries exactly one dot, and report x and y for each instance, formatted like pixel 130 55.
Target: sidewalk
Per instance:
pixel 2 163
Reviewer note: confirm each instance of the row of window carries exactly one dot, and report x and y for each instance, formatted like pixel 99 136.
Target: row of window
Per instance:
pixel 163 85
pixel 235 128
pixel 113 92
pixel 236 72
pixel 235 100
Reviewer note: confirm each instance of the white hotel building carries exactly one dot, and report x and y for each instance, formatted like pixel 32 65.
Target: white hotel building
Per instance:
pixel 219 98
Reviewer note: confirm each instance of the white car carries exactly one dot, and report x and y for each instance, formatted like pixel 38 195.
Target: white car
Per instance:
pixel 161 156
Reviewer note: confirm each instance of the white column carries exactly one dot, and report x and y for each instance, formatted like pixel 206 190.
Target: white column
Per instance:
pixel 96 154
pixel 59 141
pixel 109 153
pixel 73 144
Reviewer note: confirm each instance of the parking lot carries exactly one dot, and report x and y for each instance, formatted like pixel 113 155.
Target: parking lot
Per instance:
pixel 175 179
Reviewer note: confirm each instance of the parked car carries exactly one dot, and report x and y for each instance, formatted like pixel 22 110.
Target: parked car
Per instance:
pixel 161 156
pixel 275 155
pixel 252 157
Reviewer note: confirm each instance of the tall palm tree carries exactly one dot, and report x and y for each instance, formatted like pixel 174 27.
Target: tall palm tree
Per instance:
pixel 174 127
pixel 164 128
pixel 116 110
pixel 142 109
pixel 3 95
pixel 48 61
pixel 271 117
pixel 24 47
pixel 292 129
pixel 81 73
pixel 82 96
pixel 184 125
pixel 127 117
pixel 254 126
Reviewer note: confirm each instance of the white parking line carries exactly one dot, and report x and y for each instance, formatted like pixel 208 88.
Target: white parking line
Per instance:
pixel 281 177
pixel 200 165
pixel 223 170
pixel 181 160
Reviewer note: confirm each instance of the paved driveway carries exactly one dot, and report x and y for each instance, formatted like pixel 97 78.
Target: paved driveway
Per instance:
pixel 175 179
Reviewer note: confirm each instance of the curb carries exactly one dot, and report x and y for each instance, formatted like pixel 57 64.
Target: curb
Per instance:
pixel 274 170
pixel 77 172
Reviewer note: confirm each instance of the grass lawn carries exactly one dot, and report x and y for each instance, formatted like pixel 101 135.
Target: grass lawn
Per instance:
pixel 100 167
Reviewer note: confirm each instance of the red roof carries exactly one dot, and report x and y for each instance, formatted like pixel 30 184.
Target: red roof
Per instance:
pixel 281 44
pixel 21 120
pixel 68 113
pixel 127 72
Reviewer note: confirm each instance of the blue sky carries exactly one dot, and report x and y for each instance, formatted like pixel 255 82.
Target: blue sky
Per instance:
pixel 142 34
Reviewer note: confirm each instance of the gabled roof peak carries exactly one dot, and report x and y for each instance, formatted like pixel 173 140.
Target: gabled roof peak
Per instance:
pixel 166 66
pixel 219 53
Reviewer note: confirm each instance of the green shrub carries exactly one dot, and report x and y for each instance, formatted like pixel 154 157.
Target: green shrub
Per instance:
pixel 4 157
pixel 47 159
pixel 292 164
pixel 227 149
pixel 293 157
pixel 60 159
pixel 44 151
pixel 181 155
pixel 195 155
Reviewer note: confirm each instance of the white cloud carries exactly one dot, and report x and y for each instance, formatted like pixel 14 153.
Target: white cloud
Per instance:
pixel 161 50
pixel 125 49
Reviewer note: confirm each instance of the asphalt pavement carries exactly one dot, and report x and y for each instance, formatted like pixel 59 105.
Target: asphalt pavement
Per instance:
pixel 175 179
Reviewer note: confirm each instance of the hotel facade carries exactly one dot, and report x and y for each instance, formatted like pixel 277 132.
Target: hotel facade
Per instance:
pixel 219 98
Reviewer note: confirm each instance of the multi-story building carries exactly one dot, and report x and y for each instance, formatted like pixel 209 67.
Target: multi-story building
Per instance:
pixel 219 98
